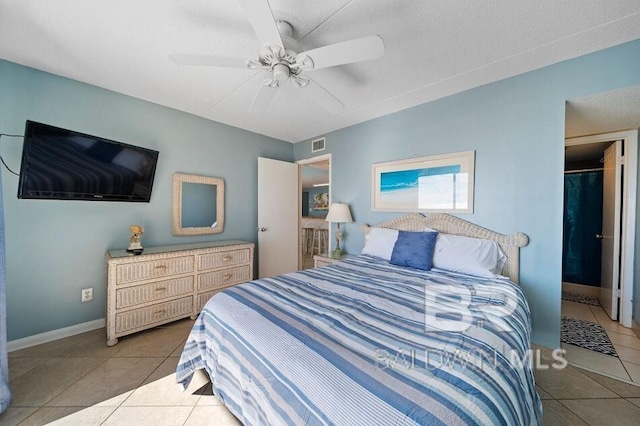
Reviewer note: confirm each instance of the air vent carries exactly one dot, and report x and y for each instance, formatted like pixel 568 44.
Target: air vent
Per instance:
pixel 318 145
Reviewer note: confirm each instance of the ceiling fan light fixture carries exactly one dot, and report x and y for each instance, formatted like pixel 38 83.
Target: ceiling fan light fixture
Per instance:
pixel 284 58
pixel 281 72
pixel 301 82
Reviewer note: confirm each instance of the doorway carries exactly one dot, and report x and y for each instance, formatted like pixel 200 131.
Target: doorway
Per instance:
pixel 582 221
pixel 598 250
pixel 315 198
pixel 625 253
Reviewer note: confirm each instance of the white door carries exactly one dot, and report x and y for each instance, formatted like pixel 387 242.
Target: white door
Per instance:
pixel 278 215
pixel 612 200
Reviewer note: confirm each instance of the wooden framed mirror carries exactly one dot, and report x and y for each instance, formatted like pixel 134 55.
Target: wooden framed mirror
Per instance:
pixel 198 205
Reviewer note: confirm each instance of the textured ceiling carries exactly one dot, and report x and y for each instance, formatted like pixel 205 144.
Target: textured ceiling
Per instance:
pixel 603 112
pixel 606 112
pixel 432 49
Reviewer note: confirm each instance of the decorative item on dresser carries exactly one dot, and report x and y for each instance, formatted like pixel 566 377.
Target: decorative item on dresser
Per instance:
pixel 135 246
pixel 168 283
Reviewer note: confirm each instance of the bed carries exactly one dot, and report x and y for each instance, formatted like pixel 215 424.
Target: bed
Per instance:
pixel 362 342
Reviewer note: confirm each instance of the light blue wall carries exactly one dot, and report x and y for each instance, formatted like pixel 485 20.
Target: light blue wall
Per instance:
pixel 55 248
pixel 516 127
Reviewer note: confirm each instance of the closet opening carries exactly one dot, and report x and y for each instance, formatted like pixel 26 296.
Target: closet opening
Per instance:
pixel 582 221
pixel 315 189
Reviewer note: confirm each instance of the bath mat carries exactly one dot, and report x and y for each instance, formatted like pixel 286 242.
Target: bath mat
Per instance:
pixel 587 300
pixel 587 335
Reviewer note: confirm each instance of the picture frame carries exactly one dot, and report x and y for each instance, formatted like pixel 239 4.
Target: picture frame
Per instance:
pixel 321 201
pixel 433 184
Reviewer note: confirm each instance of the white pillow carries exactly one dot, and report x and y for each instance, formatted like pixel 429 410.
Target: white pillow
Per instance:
pixel 473 256
pixel 380 242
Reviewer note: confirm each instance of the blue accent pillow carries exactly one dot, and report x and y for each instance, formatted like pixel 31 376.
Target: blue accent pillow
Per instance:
pixel 414 249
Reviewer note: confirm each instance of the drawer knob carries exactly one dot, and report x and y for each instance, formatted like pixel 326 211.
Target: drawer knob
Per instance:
pixel 160 312
pixel 161 289
pixel 227 258
pixel 161 267
pixel 227 276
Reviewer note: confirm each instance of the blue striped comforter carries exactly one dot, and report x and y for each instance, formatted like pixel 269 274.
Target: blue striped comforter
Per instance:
pixel 363 342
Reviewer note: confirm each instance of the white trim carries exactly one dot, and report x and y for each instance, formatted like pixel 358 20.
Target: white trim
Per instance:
pixel 52 335
pixel 630 183
pixel 315 159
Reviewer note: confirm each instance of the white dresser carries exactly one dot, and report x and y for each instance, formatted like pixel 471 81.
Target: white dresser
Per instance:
pixel 168 283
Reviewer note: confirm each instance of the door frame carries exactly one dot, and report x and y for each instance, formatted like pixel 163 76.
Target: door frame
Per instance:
pixel 628 223
pixel 305 162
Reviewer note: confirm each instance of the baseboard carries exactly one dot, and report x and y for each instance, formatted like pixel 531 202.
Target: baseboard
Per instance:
pixel 52 335
pixel 581 289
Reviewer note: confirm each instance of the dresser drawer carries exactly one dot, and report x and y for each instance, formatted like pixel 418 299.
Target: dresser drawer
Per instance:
pixel 141 294
pixel 224 278
pixel 203 298
pixel 145 270
pixel 137 318
pixel 168 283
pixel 223 259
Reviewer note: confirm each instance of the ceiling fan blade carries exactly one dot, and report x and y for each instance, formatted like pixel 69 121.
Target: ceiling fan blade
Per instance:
pixel 321 96
pixel 346 52
pixel 208 60
pixel 261 18
pixel 264 96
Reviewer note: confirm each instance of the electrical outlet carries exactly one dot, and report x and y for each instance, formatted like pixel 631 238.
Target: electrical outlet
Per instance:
pixel 87 294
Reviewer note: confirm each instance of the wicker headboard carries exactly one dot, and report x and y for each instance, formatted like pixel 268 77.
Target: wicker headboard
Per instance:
pixel 448 224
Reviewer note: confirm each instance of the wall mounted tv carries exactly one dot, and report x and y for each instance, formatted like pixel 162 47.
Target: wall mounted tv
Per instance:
pixel 66 165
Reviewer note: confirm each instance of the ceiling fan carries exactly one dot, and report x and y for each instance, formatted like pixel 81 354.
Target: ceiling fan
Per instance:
pixel 284 59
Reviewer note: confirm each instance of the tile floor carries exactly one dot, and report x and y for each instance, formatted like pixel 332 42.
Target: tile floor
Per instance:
pixel 624 340
pixel 79 380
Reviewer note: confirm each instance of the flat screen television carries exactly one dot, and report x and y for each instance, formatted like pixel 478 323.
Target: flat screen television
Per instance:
pixel 66 165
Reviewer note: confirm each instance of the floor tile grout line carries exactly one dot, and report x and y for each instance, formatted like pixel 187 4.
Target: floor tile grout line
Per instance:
pixel 628 347
pixel 190 413
pixel 589 399
pixel 625 369
pixel 601 322
pixel 74 383
pixel 80 408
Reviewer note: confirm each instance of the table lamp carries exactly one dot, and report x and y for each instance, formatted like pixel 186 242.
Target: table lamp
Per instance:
pixel 338 213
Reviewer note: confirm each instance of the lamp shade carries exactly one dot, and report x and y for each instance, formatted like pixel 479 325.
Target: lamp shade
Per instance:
pixel 340 213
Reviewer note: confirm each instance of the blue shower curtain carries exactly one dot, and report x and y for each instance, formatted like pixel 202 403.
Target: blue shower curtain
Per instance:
pixel 5 393
pixel 581 263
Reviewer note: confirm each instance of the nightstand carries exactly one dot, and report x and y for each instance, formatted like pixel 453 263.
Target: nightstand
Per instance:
pixel 326 259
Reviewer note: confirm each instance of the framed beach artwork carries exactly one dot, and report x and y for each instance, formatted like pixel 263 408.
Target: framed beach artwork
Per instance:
pixel 438 183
